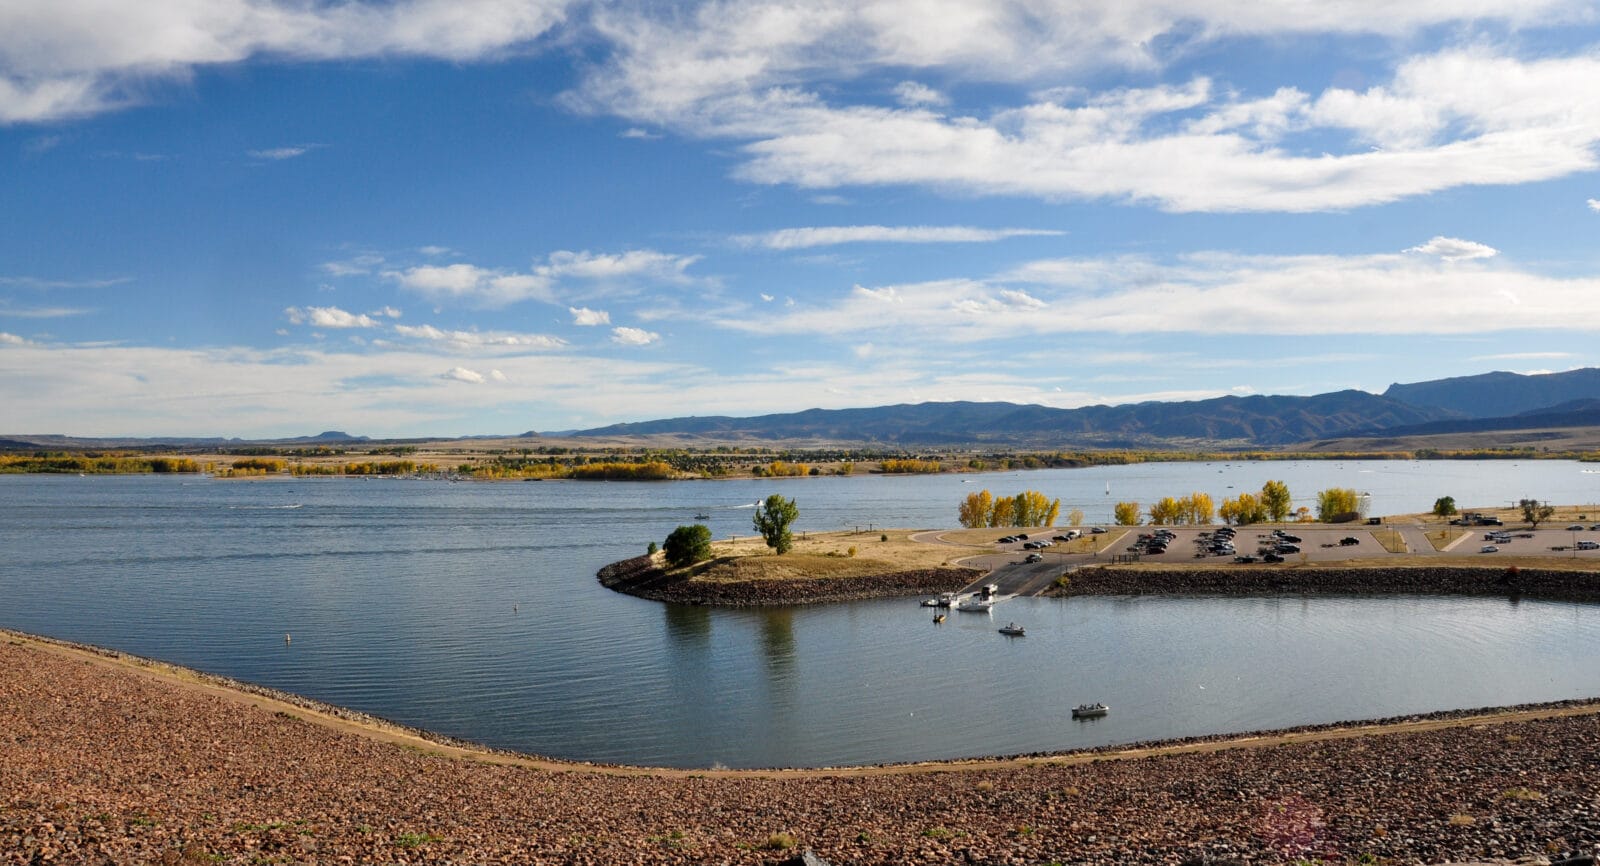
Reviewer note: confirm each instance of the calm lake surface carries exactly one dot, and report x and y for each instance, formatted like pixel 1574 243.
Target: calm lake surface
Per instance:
pixel 472 610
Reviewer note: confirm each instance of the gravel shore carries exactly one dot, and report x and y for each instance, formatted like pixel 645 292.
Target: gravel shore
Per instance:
pixel 103 760
pixel 1561 584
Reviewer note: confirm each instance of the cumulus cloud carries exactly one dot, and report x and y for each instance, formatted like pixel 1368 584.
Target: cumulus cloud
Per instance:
pixel 69 58
pixel 462 374
pixel 328 317
pixel 459 339
pixel 818 236
pixel 7 339
pixel 1594 204
pixel 496 287
pixel 387 312
pixel 911 93
pixel 1454 249
pixel 633 336
pixel 587 317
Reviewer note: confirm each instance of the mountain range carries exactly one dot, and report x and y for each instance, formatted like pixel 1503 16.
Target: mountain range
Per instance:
pixel 1484 402
pixel 1480 404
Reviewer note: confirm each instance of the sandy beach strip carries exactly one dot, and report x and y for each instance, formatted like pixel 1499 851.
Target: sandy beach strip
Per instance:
pixel 105 758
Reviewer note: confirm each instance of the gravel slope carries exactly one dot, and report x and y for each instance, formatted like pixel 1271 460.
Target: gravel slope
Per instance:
pixel 104 762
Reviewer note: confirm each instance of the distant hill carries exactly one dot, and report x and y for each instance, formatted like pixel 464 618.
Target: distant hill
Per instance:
pixel 1255 420
pixel 1577 413
pixel 26 442
pixel 1501 394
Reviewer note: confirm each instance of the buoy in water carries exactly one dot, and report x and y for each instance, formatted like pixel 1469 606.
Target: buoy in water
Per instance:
pixel 285 637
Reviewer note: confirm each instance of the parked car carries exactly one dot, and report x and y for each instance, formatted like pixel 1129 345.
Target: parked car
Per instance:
pixel 1022 536
pixel 1589 545
pixel 1349 540
pixel 1271 557
pixel 1576 527
pixel 1097 530
pixel 1006 540
pixel 1244 560
pixel 1286 548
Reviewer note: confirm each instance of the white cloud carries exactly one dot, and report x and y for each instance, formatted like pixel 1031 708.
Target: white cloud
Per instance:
pixel 462 374
pixel 633 336
pixel 497 376
pixel 1203 293
pixel 766 298
pixel 587 317
pixel 353 266
pixel 911 93
pixel 1594 204
pixel 635 132
pixel 69 58
pixel 328 317
pixel 457 339
pixel 817 236
pixel 278 154
pixel 497 288
pixel 7 339
pixel 1524 356
pixel 387 312
pixel 1454 249
pixel 472 283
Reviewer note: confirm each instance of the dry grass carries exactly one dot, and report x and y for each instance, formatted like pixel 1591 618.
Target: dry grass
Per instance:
pixel 1443 537
pixel 827 554
pixel 1391 540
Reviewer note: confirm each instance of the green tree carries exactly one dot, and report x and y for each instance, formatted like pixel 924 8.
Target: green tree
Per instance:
pixel 1126 513
pixel 688 545
pixel 1336 503
pixel 1275 501
pixel 1444 506
pixel 772 520
pixel 1534 512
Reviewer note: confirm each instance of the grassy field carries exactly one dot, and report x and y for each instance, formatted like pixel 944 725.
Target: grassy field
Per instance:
pixel 828 554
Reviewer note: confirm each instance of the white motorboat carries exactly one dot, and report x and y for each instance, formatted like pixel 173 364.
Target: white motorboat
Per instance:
pixel 975 604
pixel 1089 711
pixel 1013 629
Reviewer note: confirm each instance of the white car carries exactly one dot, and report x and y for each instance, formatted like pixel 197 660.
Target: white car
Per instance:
pixel 1488 548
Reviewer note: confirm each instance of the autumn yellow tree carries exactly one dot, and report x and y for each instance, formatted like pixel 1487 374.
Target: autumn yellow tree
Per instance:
pixel 977 509
pixel 1275 500
pixel 1003 512
pixel 1200 508
pixel 1031 508
pixel 1075 517
pixel 1337 502
pixel 1126 513
pixel 1165 511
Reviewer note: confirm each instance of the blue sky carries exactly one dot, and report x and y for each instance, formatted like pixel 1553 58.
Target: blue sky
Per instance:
pixel 265 218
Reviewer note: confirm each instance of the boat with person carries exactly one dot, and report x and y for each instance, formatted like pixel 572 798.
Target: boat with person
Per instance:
pixel 1013 630
pixel 1090 711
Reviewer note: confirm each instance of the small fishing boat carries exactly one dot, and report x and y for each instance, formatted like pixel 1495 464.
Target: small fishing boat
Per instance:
pixel 702 516
pixel 1013 630
pixel 1089 711
pixel 938 618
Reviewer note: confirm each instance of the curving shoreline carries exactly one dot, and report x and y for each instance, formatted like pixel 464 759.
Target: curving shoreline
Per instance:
pixel 104 758
pixel 642 577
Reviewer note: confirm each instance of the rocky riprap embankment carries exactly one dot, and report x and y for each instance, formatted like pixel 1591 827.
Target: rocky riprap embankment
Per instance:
pixel 643 577
pixel 105 764
pixel 1266 579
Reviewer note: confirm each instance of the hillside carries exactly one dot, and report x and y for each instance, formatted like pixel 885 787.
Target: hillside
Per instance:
pixel 1500 394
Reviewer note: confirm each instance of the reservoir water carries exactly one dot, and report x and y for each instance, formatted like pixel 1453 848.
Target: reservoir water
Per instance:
pixel 472 610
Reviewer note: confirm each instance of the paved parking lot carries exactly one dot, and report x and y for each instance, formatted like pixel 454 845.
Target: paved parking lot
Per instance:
pixel 1318 543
